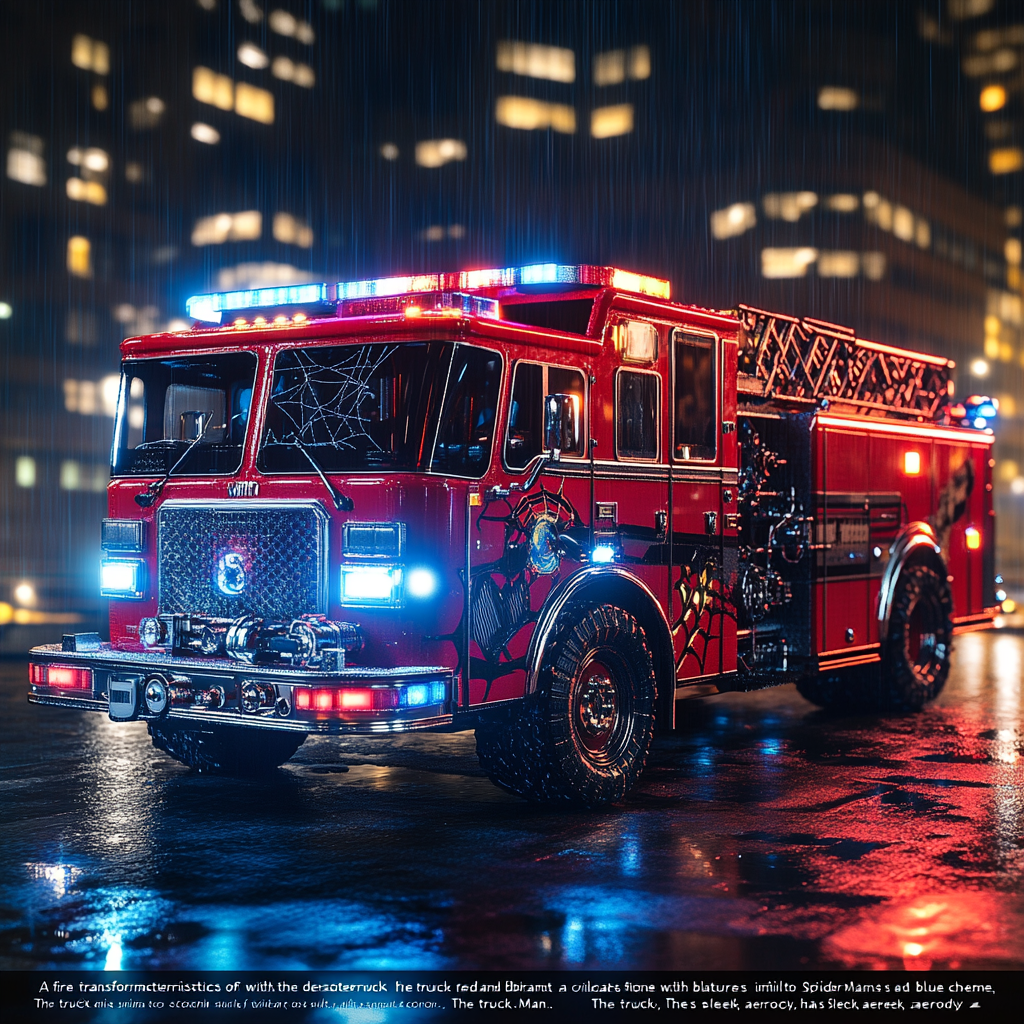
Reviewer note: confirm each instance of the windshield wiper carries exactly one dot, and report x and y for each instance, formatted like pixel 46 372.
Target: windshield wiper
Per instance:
pixel 341 502
pixel 146 498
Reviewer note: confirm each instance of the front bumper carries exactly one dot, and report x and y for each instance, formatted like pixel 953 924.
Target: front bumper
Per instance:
pixel 226 692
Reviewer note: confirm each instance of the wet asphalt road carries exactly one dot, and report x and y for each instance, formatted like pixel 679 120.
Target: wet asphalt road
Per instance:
pixel 765 835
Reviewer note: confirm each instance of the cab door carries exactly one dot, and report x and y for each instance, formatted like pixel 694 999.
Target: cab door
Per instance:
pixel 704 523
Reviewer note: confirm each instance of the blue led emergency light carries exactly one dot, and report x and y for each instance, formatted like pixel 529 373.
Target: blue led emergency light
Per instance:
pixel 211 308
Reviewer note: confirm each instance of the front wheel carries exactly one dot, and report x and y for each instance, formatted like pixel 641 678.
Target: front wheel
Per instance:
pixel 583 737
pixel 225 749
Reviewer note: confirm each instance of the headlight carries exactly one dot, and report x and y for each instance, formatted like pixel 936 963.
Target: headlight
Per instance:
pixel 122 578
pixel 374 586
pixel 421 583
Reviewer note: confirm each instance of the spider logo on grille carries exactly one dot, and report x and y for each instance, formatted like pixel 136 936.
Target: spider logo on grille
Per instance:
pixel 231 575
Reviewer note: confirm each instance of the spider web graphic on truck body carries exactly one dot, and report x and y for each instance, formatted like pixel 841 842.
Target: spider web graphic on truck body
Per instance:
pixel 338 421
pixel 810 360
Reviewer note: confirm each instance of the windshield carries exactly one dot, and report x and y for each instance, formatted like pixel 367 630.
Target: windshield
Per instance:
pixel 166 404
pixel 385 406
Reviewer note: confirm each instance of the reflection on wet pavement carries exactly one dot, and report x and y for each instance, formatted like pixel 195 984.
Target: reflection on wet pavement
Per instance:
pixel 765 834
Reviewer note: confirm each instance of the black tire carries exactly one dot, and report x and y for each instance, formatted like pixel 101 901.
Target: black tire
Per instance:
pixel 915 654
pixel 225 749
pixel 583 737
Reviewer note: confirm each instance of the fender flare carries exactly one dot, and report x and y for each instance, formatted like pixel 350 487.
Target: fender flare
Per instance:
pixel 915 544
pixel 611 584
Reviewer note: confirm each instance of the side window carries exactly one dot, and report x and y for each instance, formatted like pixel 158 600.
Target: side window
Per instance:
pixel 530 384
pixel 636 414
pixel 525 416
pixel 694 428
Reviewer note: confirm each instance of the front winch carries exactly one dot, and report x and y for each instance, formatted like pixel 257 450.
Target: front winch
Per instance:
pixel 310 641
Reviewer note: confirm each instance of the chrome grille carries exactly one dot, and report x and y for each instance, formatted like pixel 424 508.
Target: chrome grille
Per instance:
pixel 228 558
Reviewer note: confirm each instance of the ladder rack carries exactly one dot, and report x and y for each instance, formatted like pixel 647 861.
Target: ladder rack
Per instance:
pixel 809 360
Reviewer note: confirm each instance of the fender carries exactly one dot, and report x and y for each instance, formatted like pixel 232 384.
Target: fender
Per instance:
pixel 615 585
pixel 915 544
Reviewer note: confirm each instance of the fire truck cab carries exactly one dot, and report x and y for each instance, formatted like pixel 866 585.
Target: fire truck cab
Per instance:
pixel 546 502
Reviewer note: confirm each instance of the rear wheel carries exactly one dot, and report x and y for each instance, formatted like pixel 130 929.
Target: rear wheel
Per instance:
pixel 583 737
pixel 915 654
pixel 919 642
pixel 225 749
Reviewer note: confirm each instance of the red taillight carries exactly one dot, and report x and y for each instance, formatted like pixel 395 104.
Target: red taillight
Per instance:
pixel 323 698
pixel 63 677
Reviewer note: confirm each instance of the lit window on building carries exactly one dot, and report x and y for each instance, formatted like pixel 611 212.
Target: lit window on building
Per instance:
pixel 787 262
pixel 79 256
pixel 1006 161
pixel 438 152
pixel 251 11
pixel 733 220
pixel 292 71
pixel 146 112
pixel 998 62
pixel 873 265
pixel 534 60
pixel 77 476
pixel 903 223
pixel 843 202
pixel 252 56
pixel 292 231
pixel 100 97
pixel 25 471
pixel 254 103
pixel 260 275
pixel 90 54
pixel 228 227
pixel 82 191
pixel 838 263
pixel 6 311
pixel 134 172
pixel 286 24
pixel 389 151
pixel 206 133
pixel 837 97
pixel 615 66
pixel 212 88
pixel 607 122
pixel 25 159
pixel 92 398
pixel 438 232
pixel 530 114
pixel 788 206
pixel 992 98
pixel 80 327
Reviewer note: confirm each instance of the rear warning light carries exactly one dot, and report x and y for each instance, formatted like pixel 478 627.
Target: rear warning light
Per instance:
pixel 973 537
pixel 325 698
pixel 912 463
pixel 62 677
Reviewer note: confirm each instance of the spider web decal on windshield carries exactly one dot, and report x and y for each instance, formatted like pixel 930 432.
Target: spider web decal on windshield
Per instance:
pixel 322 403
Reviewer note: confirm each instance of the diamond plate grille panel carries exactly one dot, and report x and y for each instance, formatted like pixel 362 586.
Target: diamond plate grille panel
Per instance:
pixel 268 561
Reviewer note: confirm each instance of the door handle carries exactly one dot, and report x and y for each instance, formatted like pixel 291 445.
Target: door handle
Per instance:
pixel 711 523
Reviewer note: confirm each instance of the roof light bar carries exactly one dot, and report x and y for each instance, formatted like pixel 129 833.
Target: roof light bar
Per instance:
pixel 509 277
pixel 210 308
pixel 453 304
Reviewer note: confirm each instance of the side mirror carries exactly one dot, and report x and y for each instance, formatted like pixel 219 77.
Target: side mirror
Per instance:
pixel 561 424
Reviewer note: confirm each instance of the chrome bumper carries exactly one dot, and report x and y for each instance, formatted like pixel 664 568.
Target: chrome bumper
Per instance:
pixel 225 692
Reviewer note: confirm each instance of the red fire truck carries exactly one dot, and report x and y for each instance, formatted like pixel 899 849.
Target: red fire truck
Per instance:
pixel 546 502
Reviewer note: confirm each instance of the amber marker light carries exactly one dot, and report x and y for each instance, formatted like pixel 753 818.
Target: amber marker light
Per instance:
pixel 299 318
pixel 973 537
pixel 413 311
pixel 912 463
pixel 280 319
